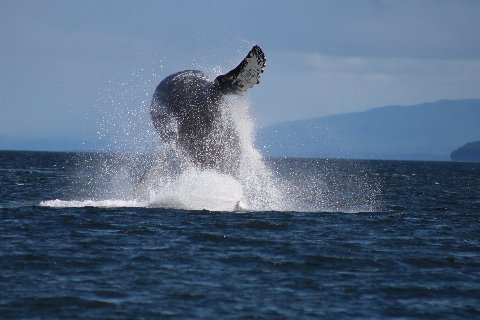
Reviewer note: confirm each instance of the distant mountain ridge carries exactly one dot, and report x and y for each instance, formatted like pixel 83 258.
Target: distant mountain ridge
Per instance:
pixel 428 131
pixel 468 152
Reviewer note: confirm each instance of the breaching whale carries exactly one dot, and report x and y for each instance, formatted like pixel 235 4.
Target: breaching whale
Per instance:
pixel 186 110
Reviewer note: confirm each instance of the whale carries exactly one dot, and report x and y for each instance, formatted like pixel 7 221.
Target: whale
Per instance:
pixel 188 112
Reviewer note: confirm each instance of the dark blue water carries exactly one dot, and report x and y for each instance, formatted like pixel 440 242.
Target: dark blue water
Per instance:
pixel 414 252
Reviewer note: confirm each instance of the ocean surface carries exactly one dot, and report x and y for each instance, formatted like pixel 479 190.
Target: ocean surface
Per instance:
pixel 340 239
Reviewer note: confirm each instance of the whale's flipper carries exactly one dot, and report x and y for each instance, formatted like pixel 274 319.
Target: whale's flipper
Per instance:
pixel 245 75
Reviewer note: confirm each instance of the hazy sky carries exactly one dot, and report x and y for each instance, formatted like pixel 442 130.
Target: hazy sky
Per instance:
pixel 64 64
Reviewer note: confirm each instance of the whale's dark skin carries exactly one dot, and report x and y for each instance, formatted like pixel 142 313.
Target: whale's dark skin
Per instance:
pixel 186 110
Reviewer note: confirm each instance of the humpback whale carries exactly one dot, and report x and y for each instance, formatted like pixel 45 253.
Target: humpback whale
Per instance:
pixel 187 112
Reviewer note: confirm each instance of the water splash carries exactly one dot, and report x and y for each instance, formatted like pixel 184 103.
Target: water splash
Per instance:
pixel 172 180
pixel 134 168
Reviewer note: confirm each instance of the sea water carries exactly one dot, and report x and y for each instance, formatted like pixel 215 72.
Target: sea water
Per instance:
pixel 369 239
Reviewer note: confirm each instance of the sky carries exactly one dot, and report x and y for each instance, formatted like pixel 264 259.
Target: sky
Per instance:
pixel 66 66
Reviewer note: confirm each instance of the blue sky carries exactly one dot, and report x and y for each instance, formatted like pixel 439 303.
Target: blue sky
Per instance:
pixel 66 64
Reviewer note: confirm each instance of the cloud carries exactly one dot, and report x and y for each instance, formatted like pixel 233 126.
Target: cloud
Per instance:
pixel 393 66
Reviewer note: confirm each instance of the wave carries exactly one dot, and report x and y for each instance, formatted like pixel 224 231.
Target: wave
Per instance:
pixel 192 190
pixel 57 203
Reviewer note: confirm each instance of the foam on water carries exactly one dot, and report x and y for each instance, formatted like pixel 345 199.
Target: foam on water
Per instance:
pixel 191 190
pixel 90 203
pixel 195 189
